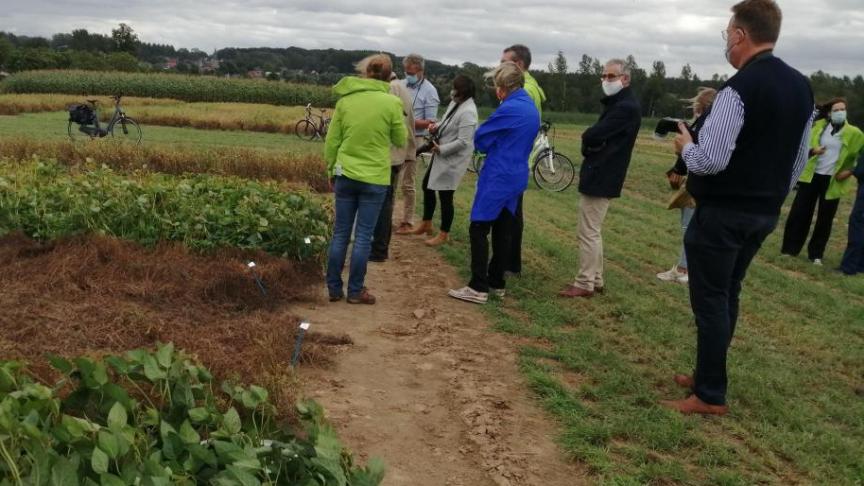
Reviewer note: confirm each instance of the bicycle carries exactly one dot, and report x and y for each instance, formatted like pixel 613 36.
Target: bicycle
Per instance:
pixel 477 162
pixel 84 123
pixel 553 171
pixel 310 129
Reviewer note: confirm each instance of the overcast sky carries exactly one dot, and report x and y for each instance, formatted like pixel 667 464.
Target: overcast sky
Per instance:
pixel 817 34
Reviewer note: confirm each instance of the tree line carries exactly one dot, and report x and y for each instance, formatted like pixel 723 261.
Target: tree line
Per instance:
pixel 568 88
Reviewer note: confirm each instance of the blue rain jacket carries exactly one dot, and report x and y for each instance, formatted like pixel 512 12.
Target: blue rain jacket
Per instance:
pixel 507 139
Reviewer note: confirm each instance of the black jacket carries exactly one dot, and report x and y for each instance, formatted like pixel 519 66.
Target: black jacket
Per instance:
pixel 608 145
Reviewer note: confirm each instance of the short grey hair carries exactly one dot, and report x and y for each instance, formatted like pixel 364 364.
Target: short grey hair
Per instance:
pixel 414 60
pixel 625 68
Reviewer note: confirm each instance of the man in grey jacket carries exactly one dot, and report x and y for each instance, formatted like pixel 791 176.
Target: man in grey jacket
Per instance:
pixel 398 157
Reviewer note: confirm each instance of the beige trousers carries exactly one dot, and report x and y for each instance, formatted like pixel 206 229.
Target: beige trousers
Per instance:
pixel 592 212
pixel 407 180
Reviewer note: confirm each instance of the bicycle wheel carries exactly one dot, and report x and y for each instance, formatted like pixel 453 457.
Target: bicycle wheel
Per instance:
pixel 306 130
pixel 127 131
pixel 553 172
pixel 76 132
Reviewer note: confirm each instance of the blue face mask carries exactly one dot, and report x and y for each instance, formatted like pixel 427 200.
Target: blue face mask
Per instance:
pixel 412 79
pixel 838 117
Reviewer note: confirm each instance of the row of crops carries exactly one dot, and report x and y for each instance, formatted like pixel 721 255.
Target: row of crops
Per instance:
pixel 159 419
pixel 47 200
pixel 175 86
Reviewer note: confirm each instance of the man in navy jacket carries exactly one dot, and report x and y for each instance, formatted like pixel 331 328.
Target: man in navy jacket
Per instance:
pixel 853 259
pixel 749 153
pixel 607 147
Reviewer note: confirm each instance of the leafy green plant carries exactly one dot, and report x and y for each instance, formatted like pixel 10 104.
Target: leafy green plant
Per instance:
pixel 46 200
pixel 156 418
pixel 160 85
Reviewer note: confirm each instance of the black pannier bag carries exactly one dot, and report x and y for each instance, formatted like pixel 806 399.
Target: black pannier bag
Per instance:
pixel 82 114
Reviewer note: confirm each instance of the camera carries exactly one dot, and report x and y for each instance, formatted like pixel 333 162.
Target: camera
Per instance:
pixel 666 126
pixel 428 143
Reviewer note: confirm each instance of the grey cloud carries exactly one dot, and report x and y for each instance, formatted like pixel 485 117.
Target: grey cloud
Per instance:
pixel 826 34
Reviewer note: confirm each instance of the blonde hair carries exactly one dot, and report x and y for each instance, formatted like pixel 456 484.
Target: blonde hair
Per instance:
pixel 702 101
pixel 376 66
pixel 507 76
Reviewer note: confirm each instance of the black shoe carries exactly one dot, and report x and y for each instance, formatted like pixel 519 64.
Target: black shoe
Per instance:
pixel 377 258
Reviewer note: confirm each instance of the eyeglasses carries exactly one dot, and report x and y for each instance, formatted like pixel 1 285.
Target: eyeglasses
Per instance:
pixel 609 76
pixel 725 33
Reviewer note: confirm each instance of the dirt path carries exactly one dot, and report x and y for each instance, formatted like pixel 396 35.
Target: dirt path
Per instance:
pixel 429 388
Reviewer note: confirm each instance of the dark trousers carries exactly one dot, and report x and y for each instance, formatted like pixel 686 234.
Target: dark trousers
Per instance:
pixel 486 273
pixel 515 261
pixel 448 211
pixel 720 245
pixel 853 258
pixel 384 227
pixel 801 214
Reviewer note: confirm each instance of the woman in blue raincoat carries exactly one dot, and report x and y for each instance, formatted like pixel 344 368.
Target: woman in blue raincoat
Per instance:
pixel 507 138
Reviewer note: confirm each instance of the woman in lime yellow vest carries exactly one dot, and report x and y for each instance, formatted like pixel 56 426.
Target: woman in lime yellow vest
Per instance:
pixel 834 148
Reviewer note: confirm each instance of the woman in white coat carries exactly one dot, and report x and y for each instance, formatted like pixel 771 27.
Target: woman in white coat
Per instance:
pixel 451 156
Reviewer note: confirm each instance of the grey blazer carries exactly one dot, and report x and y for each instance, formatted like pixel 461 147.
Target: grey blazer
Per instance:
pixel 456 147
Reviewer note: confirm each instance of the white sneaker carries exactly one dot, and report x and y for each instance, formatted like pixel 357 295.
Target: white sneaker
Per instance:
pixel 673 275
pixel 469 295
pixel 500 293
pixel 817 262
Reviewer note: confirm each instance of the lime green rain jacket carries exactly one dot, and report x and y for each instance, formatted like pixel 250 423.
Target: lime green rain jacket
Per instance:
pixel 367 121
pixel 535 92
pixel 853 144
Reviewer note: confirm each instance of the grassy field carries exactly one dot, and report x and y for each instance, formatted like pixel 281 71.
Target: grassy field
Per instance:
pixel 52 126
pixel 600 365
pixel 168 112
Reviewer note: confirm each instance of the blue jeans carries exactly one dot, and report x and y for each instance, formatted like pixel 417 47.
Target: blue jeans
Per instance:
pixel 360 201
pixel 686 216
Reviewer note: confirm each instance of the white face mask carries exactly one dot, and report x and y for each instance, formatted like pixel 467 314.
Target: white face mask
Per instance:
pixel 838 117
pixel 611 88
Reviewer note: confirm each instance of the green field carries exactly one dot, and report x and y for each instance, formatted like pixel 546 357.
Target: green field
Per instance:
pixel 599 366
pixel 52 126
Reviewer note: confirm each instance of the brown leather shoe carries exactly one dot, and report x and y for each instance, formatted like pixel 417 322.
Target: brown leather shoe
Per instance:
pixel 405 229
pixel 693 404
pixel 425 228
pixel 684 381
pixel 438 240
pixel 572 292
pixel 364 297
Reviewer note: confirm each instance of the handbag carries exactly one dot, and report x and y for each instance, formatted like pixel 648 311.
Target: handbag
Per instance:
pixel 682 198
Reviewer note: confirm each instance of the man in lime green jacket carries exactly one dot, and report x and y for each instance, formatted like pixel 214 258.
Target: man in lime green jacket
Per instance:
pixel 521 56
pixel 835 145
pixel 366 122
